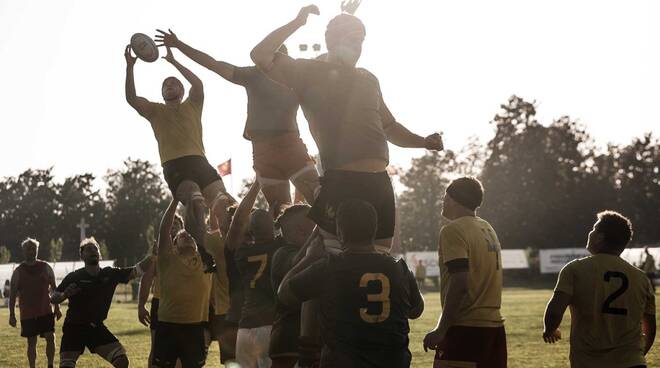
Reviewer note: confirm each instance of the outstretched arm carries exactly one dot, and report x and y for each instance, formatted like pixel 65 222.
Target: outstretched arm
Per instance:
pixel 13 291
pixel 140 104
pixel 264 53
pixel 196 86
pixel 239 222
pixel 350 6
pixel 400 136
pixel 164 238
pixel 554 312
pixel 225 70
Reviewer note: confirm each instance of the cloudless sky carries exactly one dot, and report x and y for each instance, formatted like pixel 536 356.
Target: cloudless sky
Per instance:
pixel 443 66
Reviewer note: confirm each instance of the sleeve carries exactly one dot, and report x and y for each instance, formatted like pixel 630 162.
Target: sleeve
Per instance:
pixel 68 279
pixel 454 249
pixel 566 278
pixel 243 75
pixel 649 308
pixel 308 284
pixel 415 297
pixel 122 275
pixel 295 73
pixel 149 110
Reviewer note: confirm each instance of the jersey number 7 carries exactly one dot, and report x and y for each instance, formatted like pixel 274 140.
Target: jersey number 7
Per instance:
pixel 263 259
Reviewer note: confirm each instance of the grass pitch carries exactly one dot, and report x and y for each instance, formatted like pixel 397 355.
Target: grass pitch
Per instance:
pixel 522 308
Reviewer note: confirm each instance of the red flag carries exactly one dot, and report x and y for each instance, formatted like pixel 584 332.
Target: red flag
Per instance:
pixel 224 168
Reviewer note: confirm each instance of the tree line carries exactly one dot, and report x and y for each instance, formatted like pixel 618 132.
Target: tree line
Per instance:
pixel 543 182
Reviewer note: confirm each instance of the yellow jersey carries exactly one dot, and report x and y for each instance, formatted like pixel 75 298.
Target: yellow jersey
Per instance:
pixel 178 129
pixel 608 299
pixel 185 289
pixel 470 244
pixel 220 284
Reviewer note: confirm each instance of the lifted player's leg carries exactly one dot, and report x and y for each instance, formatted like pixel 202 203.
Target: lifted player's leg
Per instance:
pixel 277 193
pixel 306 180
pixel 189 193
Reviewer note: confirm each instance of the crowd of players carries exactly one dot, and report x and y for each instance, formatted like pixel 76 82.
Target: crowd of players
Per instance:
pixel 307 286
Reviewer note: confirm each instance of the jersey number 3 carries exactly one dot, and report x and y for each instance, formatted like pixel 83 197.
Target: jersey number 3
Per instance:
pixel 263 260
pixel 383 297
pixel 624 286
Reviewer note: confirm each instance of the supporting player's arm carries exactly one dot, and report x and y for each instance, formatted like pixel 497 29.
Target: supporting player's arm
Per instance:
pixel 399 135
pixel 225 70
pixel 350 6
pixel 146 281
pixel 554 312
pixel 68 289
pixel 265 55
pixel 164 237
pixel 140 104
pixel 196 85
pixel 239 222
pixel 13 291
pixel 457 287
pixel 315 251
pixel 53 286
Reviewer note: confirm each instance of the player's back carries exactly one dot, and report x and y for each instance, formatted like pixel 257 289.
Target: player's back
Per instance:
pixel 365 309
pixel 609 299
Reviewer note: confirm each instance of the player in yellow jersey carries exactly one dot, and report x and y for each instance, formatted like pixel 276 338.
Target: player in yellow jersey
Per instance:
pixel 612 302
pixel 470 332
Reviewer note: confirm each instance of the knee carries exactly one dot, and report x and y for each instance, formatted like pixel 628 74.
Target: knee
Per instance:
pixel 32 343
pixel 121 361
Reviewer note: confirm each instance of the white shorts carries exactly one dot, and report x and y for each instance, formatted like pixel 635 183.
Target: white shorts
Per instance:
pixel 252 346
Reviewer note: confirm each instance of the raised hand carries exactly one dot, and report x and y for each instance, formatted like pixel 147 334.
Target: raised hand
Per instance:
pixel 168 56
pixel 434 142
pixel 166 39
pixel 130 59
pixel 305 12
pixel 350 6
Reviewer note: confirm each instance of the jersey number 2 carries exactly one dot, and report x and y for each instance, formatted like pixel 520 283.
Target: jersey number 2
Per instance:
pixel 383 297
pixel 624 286
pixel 263 259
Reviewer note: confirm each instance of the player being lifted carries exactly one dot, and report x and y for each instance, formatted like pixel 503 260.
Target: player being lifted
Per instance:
pixel 612 302
pixel 278 152
pixel 348 119
pixel 470 331
pixel 177 126
pixel 366 297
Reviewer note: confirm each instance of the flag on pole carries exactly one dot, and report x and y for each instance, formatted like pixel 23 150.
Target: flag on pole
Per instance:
pixel 224 168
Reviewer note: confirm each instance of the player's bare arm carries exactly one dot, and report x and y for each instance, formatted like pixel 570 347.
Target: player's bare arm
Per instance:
pixel 456 290
pixel 554 312
pixel 53 286
pixel 399 135
pixel 138 270
pixel 264 53
pixel 223 69
pixel 648 331
pixel 240 221
pixel 196 85
pixel 140 104
pixel 13 292
pixel 58 297
pixel 146 281
pixel 164 238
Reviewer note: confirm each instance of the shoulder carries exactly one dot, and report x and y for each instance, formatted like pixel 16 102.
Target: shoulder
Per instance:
pixel 452 228
pixel 366 73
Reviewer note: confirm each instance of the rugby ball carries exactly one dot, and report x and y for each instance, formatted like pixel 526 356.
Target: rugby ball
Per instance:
pixel 144 47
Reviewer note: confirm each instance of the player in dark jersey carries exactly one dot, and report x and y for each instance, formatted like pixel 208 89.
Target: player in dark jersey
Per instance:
pixel 296 230
pixel 253 260
pixel 90 291
pixel 366 297
pixel 279 153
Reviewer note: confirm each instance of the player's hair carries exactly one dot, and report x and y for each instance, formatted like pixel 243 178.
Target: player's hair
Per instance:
pixel 342 25
pixel 30 241
pixel 174 78
pixel 616 229
pixel 357 220
pixel 88 241
pixel 291 211
pixel 261 223
pixel 467 191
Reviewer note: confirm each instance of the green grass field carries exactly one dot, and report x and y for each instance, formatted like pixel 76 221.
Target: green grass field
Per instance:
pixel 522 308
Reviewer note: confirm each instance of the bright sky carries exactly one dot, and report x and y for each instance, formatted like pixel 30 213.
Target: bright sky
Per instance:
pixel 442 65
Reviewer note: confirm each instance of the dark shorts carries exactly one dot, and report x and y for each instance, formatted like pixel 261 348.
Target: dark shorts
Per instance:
pixel 338 186
pixel 284 336
pixel 38 326
pixel 179 341
pixel 154 313
pixel 194 168
pixel 224 332
pixel 280 157
pixel 473 346
pixel 76 337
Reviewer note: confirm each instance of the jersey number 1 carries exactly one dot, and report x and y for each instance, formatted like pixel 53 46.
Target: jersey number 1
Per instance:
pixel 624 286
pixel 263 259
pixel 383 297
